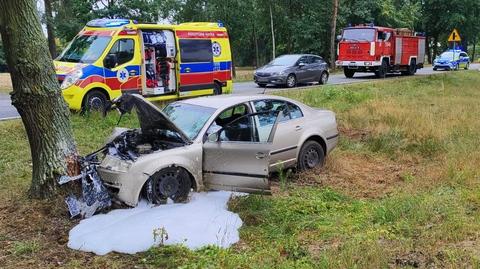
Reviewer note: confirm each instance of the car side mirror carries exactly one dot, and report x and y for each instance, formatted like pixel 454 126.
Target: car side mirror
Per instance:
pixel 110 61
pixel 301 64
pixel 213 137
pixel 339 37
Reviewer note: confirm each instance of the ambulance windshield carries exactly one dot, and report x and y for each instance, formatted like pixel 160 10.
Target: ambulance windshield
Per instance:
pixel 360 34
pixel 84 49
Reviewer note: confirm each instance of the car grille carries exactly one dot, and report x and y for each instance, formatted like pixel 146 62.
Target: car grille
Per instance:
pixel 259 74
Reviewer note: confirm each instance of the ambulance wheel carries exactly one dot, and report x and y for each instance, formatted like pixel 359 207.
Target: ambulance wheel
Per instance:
pixel 349 73
pixel 323 78
pixel 217 89
pixel 291 81
pixel 95 100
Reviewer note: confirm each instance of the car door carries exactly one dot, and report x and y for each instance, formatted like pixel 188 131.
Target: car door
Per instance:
pixel 236 157
pixel 125 74
pixel 318 66
pixel 288 132
pixel 312 69
pixel 463 59
pixel 302 68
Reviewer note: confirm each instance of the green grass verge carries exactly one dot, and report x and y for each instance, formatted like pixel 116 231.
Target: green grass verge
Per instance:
pixel 417 136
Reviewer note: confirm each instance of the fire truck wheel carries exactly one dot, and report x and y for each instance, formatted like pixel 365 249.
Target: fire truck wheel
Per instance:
pixel 349 73
pixel 95 100
pixel 412 68
pixel 382 70
pixel 291 81
pixel 323 78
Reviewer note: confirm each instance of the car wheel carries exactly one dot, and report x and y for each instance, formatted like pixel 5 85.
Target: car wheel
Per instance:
pixel 349 73
pixel 457 67
pixel 323 78
pixel 171 182
pixel 434 69
pixel 217 89
pixel 291 81
pixel 311 155
pixel 95 100
pixel 262 85
pixel 467 66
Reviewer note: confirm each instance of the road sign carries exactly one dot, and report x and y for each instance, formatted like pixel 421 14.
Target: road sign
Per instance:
pixel 454 36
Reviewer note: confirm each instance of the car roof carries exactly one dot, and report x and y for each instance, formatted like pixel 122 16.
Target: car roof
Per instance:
pixel 225 101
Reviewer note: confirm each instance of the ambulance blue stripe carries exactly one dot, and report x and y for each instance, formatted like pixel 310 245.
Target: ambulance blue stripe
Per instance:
pixel 100 71
pixel 205 67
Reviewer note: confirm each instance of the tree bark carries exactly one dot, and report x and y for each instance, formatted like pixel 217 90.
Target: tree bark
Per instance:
pixel 332 34
pixel 37 96
pixel 52 47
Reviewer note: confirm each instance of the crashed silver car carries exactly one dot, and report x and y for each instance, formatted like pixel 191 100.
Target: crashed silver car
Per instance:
pixel 213 143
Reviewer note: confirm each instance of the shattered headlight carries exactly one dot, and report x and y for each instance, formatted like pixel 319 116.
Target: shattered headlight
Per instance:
pixel 71 78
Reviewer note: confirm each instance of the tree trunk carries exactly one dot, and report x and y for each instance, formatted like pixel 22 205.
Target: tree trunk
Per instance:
pixel 37 96
pixel 52 47
pixel 474 49
pixel 273 33
pixel 332 34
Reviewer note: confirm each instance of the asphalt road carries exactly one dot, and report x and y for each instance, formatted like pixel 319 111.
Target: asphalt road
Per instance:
pixel 7 111
pixel 338 78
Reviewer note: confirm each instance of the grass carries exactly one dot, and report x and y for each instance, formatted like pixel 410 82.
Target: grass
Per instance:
pixel 401 190
pixel 243 74
pixel 5 83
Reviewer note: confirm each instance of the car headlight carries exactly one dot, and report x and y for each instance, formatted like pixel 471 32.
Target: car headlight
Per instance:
pixel 71 78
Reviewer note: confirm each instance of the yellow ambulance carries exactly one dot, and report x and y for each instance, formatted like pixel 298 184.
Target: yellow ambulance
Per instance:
pixel 111 57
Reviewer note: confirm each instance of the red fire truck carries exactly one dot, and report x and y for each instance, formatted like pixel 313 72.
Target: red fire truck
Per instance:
pixel 382 50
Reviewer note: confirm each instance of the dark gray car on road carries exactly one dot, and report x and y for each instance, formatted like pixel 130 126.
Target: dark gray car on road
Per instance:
pixel 292 69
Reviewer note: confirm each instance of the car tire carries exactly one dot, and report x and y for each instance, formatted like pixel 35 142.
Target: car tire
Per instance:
pixel 94 100
pixel 382 70
pixel 291 81
pixel 311 155
pixel 435 69
pixel 217 89
pixel 467 66
pixel 323 78
pixel 349 73
pixel 262 85
pixel 457 67
pixel 171 182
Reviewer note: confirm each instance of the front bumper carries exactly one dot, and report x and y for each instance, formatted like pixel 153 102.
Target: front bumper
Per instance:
pixel 74 96
pixel 277 80
pixel 357 64
pixel 443 66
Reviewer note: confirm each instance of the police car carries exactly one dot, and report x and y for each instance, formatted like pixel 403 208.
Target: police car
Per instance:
pixel 452 60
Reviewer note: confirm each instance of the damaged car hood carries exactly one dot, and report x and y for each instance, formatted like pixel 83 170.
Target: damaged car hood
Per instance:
pixel 150 117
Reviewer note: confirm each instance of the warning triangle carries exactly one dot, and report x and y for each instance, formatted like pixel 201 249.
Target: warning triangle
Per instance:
pixel 454 36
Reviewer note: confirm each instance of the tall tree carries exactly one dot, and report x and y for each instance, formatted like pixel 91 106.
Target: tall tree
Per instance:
pixel 37 96
pixel 333 33
pixel 52 47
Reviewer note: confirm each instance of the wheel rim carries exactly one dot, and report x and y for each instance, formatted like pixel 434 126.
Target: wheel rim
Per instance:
pixel 95 103
pixel 167 184
pixel 324 78
pixel 311 158
pixel 291 81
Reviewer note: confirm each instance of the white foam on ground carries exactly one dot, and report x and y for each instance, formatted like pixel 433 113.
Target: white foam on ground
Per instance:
pixel 204 220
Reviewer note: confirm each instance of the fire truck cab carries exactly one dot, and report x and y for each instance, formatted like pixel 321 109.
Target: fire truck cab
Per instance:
pixel 382 50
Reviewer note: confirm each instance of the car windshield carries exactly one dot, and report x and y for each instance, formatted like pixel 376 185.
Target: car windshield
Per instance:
pixel 449 55
pixel 285 60
pixel 84 49
pixel 189 118
pixel 359 34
